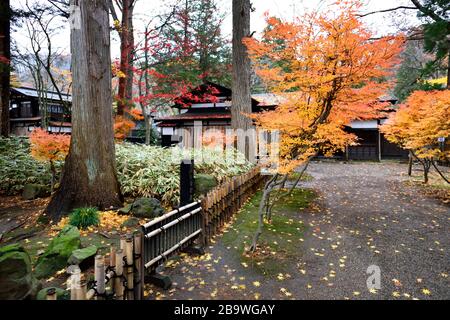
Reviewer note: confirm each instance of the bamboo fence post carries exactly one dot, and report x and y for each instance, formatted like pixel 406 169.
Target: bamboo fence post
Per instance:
pixel 51 295
pixel 100 276
pixel 130 267
pixel 82 290
pixel 112 265
pixel 123 240
pixel 138 251
pixel 74 282
pixel 119 288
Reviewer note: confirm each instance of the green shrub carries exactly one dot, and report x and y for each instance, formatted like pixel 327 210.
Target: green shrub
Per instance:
pixel 84 218
pixel 18 167
pixel 143 171
pixel 148 171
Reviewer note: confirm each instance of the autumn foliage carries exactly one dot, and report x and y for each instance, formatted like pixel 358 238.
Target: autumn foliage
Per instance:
pixel 49 147
pixel 123 125
pixel 418 125
pixel 329 70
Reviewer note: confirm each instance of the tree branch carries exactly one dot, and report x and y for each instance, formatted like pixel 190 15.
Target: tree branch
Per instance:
pixel 386 10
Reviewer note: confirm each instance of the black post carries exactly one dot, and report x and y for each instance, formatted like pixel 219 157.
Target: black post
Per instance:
pixel 186 182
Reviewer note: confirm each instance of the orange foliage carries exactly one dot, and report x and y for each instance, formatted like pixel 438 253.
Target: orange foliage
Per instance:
pixel 329 70
pixel 419 123
pixel 124 124
pixel 49 147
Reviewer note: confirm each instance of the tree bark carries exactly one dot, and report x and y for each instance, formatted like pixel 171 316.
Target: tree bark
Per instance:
pixel 126 56
pixel 241 96
pixel 89 176
pixel 5 55
pixel 410 163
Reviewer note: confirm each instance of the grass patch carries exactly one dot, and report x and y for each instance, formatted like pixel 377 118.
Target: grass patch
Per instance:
pixel 305 178
pixel 436 187
pixel 280 241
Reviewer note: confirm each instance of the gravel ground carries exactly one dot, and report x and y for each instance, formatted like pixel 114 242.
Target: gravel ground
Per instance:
pixel 367 217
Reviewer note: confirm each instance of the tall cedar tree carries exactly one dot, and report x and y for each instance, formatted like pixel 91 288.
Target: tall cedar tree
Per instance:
pixel 329 71
pixel 242 102
pixel 125 28
pixel 89 178
pixel 5 57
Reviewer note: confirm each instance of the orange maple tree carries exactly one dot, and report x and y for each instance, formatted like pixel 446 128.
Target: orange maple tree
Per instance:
pixel 49 147
pixel 123 125
pixel 329 69
pixel 419 124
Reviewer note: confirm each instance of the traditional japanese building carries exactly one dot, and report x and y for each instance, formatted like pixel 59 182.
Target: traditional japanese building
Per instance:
pixel 213 111
pixel 209 104
pixel 372 144
pixel 25 111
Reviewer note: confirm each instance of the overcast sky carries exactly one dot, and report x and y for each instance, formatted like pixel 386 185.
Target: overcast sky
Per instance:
pixel 285 9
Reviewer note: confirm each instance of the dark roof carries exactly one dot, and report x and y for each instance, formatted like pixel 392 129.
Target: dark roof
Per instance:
pixel 31 92
pixel 203 92
pixel 32 119
pixel 198 114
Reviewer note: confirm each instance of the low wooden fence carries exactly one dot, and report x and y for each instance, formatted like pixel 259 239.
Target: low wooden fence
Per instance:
pixel 198 221
pixel 221 204
pixel 171 233
pixel 121 277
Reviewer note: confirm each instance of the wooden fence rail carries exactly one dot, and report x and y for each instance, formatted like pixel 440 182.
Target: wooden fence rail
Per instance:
pixel 222 203
pixel 170 233
pixel 121 279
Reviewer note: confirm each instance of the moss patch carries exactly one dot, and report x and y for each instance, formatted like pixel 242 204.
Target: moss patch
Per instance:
pixel 305 178
pixel 280 241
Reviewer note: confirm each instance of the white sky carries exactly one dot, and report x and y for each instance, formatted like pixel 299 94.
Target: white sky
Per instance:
pixel 285 9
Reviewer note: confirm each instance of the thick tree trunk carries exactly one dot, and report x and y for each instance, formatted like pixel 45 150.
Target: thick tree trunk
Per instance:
pixel 5 57
pixel 89 177
pixel 241 100
pixel 126 57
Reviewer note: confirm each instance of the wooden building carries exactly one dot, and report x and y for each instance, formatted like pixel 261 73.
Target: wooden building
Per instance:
pixel 210 105
pixel 26 113
pixel 214 113
pixel 372 144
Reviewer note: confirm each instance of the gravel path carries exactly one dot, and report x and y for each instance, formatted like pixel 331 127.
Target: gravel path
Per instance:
pixel 367 217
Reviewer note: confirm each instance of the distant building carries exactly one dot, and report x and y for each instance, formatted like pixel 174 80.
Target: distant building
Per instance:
pixel 213 111
pixel 25 112
pixel 372 144
pixel 217 115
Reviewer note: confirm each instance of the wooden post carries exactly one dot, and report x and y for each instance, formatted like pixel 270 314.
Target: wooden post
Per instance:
pixel 139 262
pixel 51 294
pixel 118 286
pixel 82 290
pixel 123 240
pixel 112 265
pixel 100 276
pixel 186 182
pixel 74 282
pixel 130 265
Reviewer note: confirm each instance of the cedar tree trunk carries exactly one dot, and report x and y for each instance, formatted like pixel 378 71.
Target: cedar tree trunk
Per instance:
pixel 241 100
pixel 89 178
